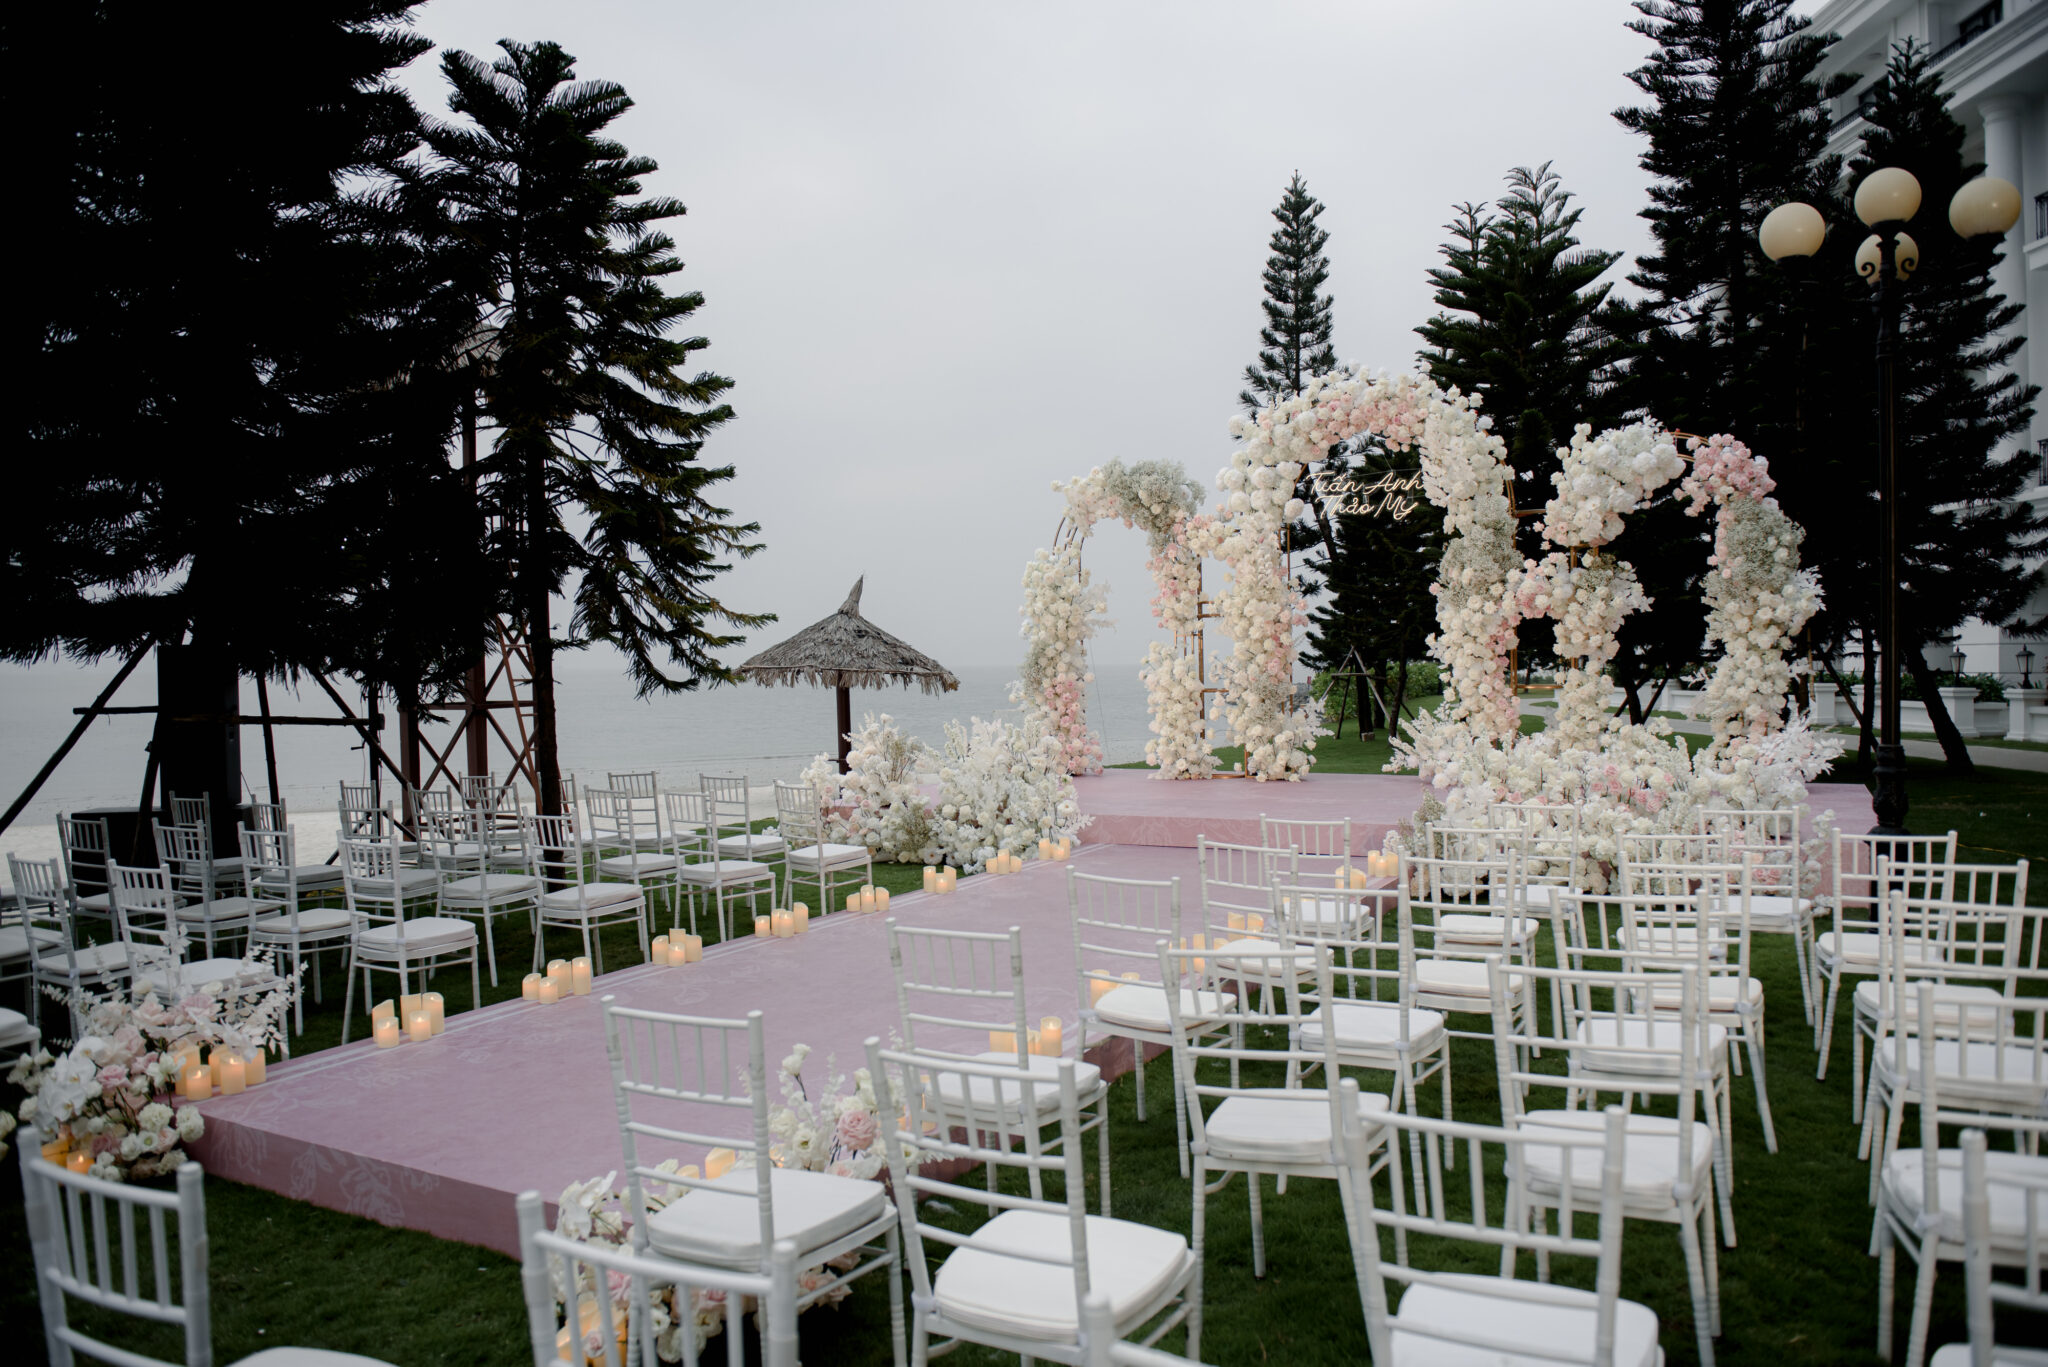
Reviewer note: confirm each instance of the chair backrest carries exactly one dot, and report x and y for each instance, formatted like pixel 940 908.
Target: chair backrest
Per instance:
pixel 1957 924
pixel 1117 924
pixel 1667 847
pixel 592 1280
pixel 1237 882
pixel 1985 1247
pixel 194 811
pixel 1305 912
pixel 1364 963
pixel 1254 993
pixel 1985 1048
pixel 992 1117
pixel 373 881
pixel 40 902
pixel 800 813
pixel 1552 828
pixel 1852 867
pixel 693 829
pixel 187 853
pixel 1671 910
pixel 958 980
pixel 555 853
pixel 2010 1029
pixel 266 816
pixel 87 852
pixel 1467 844
pixel 269 869
pixel 673 1065
pixel 1324 846
pixel 633 783
pixel 728 794
pixel 1591 1168
pixel 109 1246
pixel 146 915
pixel 1432 888
pixel 366 822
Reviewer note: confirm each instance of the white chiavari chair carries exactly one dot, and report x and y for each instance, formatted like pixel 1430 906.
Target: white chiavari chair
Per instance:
pixel 462 847
pixel 88 851
pixel 31 926
pixel 800 813
pixel 1920 1196
pixel 1236 883
pixel 593 1283
pixel 1018 1281
pixel 686 1084
pixel 1853 902
pixel 639 793
pixel 1982 1294
pixel 957 990
pixel 297 931
pixel 146 916
pixel 1667 1160
pixel 1280 1129
pixel 1443 917
pixel 1323 848
pixel 1118 922
pixel 1464 1317
pixel 1775 841
pixel 628 836
pixel 575 897
pixel 186 854
pixel 60 960
pixel 133 1252
pixel 1549 836
pixel 198 812
pixel 704 868
pixel 384 939
pixel 732 806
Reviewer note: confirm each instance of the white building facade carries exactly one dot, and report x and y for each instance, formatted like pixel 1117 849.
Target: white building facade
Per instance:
pixel 1992 59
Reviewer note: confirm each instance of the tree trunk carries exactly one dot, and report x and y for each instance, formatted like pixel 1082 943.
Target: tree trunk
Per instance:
pixel 1866 734
pixel 540 639
pixel 1952 744
pixel 1400 700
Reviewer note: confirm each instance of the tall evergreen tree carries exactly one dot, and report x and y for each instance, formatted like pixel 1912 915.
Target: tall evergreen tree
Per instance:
pixel 224 373
pixel 595 419
pixel 1722 340
pixel 1964 537
pixel 1295 342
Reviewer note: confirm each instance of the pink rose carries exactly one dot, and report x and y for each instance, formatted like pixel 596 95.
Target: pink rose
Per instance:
pixel 858 1129
pixel 113 1077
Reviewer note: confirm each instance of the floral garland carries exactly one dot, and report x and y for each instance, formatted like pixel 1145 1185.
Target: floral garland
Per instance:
pixel 1002 788
pixel 1061 611
pixel 1758 600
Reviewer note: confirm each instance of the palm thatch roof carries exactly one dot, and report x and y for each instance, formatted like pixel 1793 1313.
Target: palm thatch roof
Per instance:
pixel 846 650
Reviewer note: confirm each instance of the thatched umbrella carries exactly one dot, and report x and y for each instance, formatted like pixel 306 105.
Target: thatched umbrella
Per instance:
pixel 847 651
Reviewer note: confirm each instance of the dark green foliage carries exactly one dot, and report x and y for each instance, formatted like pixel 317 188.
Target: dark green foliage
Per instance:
pixel 229 417
pixel 549 240
pixel 1960 408
pixel 1295 342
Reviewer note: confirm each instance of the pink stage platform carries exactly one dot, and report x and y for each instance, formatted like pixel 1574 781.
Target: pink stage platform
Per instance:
pixel 441 1136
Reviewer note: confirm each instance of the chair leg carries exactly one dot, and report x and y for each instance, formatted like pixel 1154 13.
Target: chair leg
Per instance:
pixel 1199 1233
pixel 1102 1148
pixel 1826 1038
pixel 1696 1279
pixel 1859 1082
pixel 1713 1256
pixel 1180 1114
pixel 348 993
pixel 1923 1304
pixel 1754 1034
pixel 1252 1180
pixel 490 948
pixel 298 998
pixel 893 1242
pixel 1138 1067
pixel 1887 1269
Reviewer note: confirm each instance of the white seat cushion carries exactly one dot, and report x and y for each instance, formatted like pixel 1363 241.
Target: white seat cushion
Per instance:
pixel 634 865
pixel 212 972
pixel 227 909
pixel 15 1031
pixel 309 876
pixel 313 921
pixel 92 960
pixel 1561 1326
pixel 1631 1033
pixel 307 1357
pixel 1331 913
pixel 750 846
pixel 410 881
pixel 1649 1161
pixel 101 902
pixel 1135 1266
pixel 1462 929
pixel 722 1227
pixel 592 895
pixel 421 933
pixel 1949 999
pixel 1279 1125
pixel 725 871
pixel 1260 957
pixel 809 856
pixel 1975 1074
pixel 1457 978
pixel 1045 1100
pixel 1777 912
pixel 1725 994
pixel 1372 1027
pixel 1905 1180
pixel 14 941
pixel 497 887
pixel 1144 1008
pixel 1860 946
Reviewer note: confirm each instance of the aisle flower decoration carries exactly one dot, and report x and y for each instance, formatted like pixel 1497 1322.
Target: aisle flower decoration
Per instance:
pixel 1003 787
pixel 881 791
pixel 114 1092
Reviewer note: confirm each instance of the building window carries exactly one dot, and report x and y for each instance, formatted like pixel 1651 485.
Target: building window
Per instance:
pixel 1973 25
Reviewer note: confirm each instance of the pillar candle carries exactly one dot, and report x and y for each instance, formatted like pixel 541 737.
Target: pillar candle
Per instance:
pixel 1360 877
pixel 1045 849
pixel 1234 921
pixel 931 879
pixel 54 1151
pixel 1002 1041
pixel 1098 988
pixel 1065 850
pixel 947 878
pixel 1254 922
pixel 579 977
pixel 853 901
pixel 672 952
pixel 79 1162
pixel 232 1075
pixel 658 951
pixel 419 1027
pixel 782 925
pixel 187 1056
pixel 198 1082
pixel 550 993
pixel 437 1011
pixel 718 1163
pixel 385 1010
pixel 408 1005
pixel 1034 1042
pixel 558 974
pixel 1131 977
pixel 529 987
pixel 387 1032
pixel 801 915
pixel 693 947
pixel 254 1064
pixel 881 899
pixel 764 926
pixel 1049 1030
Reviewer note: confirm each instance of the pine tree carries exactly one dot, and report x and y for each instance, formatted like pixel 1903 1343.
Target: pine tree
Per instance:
pixel 222 364
pixel 595 418
pixel 1295 342
pixel 1963 534
pixel 1724 340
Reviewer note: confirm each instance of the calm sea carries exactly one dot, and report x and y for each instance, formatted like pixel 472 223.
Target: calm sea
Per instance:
pixel 763 733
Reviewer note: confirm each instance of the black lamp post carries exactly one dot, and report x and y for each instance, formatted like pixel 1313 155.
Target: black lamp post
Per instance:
pixel 1956 660
pixel 2026 667
pixel 1885 201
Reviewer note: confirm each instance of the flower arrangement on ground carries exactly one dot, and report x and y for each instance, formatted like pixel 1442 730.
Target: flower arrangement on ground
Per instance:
pixel 1003 787
pixel 114 1092
pixel 837 1132
pixel 887 810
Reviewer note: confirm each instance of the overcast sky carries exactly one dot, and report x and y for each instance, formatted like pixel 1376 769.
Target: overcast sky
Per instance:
pixel 951 252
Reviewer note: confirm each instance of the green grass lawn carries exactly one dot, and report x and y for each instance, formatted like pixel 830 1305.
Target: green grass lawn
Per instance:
pixel 1799 1288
